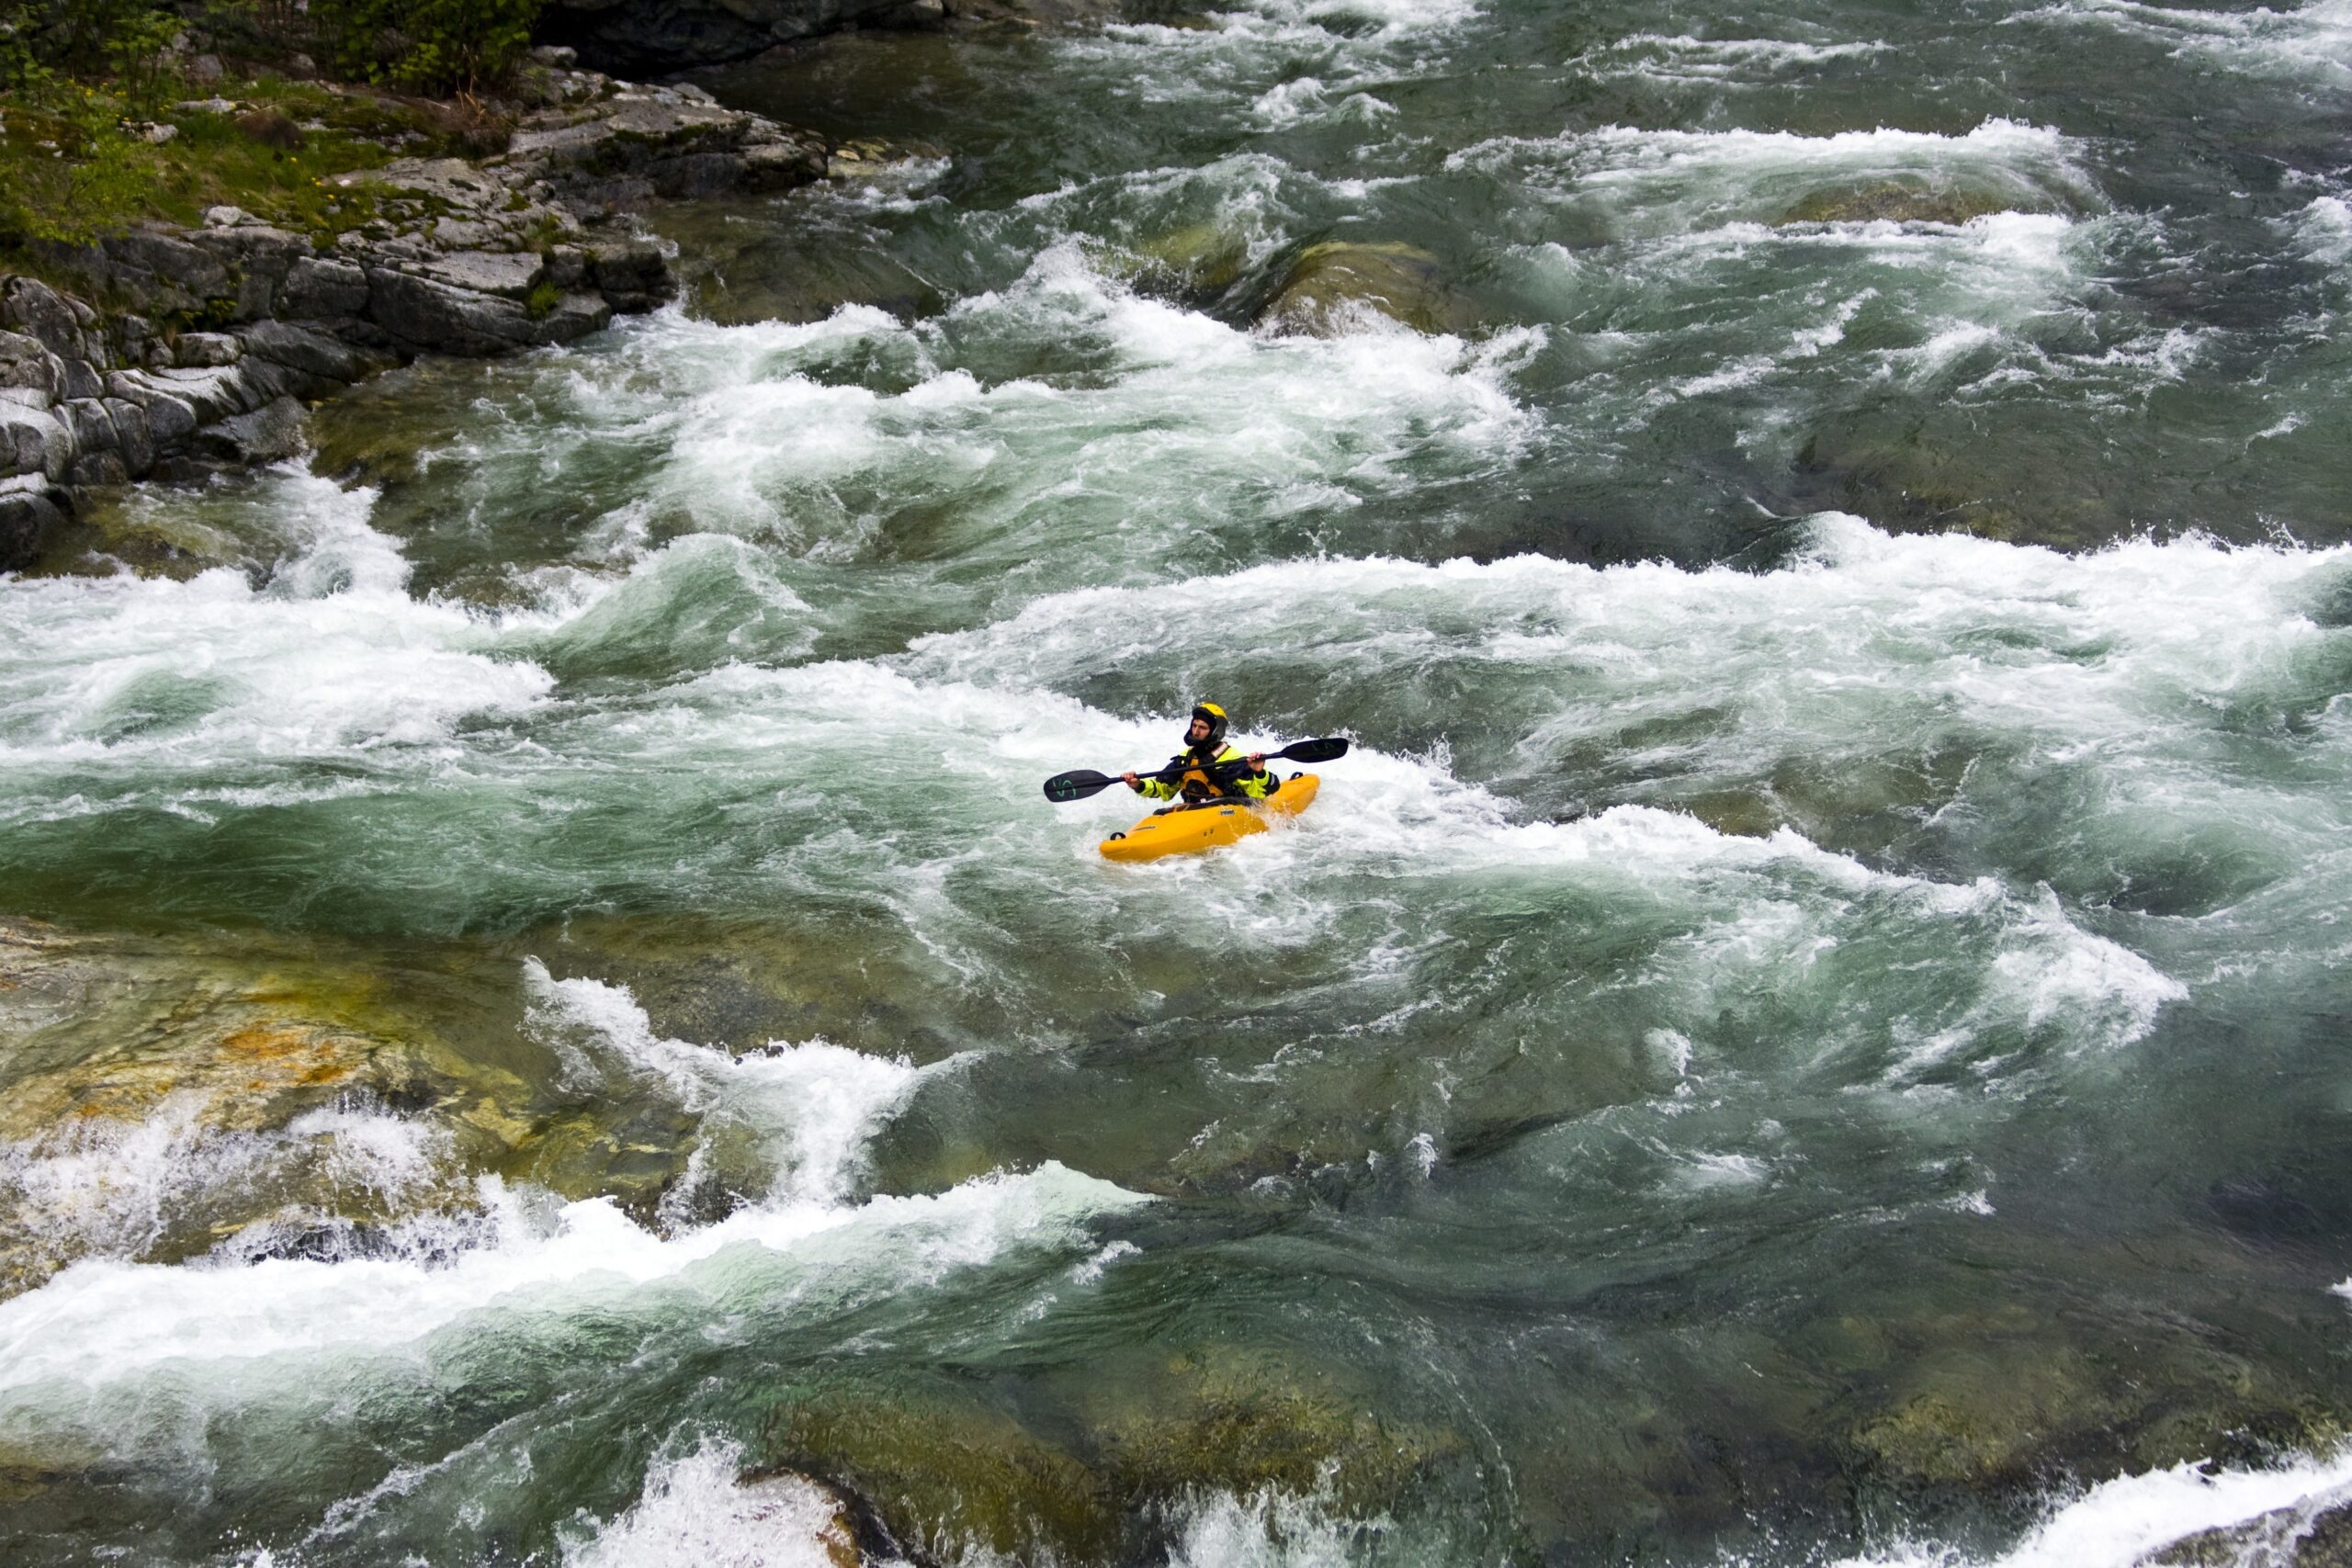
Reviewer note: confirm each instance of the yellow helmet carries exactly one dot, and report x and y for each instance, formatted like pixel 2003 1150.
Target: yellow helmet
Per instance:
pixel 1215 717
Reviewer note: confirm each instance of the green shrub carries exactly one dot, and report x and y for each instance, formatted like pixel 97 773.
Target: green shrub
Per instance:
pixel 428 46
pixel 84 37
pixel 139 52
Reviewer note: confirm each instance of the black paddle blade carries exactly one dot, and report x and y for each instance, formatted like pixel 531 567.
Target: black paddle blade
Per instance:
pixel 1075 786
pixel 1330 750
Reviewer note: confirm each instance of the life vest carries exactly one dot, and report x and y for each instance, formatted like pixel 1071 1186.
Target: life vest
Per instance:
pixel 1196 785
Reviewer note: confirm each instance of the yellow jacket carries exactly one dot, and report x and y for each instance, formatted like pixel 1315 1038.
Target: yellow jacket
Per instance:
pixel 1195 785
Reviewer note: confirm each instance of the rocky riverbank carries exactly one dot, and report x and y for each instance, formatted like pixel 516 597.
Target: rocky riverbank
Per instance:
pixel 171 351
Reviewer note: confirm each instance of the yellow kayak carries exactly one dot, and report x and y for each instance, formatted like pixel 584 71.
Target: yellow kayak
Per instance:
pixel 1202 827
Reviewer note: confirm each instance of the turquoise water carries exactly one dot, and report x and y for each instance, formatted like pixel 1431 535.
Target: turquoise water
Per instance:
pixel 1806 1029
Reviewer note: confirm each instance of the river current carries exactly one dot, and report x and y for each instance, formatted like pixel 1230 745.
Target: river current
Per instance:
pixel 1808 1030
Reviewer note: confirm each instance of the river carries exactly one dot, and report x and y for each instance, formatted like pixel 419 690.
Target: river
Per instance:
pixel 1808 1029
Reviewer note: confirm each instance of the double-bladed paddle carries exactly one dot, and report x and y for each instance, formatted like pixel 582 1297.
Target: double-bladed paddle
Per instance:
pixel 1083 782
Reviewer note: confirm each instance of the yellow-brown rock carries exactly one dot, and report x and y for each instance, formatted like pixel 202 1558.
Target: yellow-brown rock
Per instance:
pixel 1333 287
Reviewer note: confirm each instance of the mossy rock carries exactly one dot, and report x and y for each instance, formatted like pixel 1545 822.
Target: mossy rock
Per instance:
pixel 1921 485
pixel 2001 1416
pixel 1331 286
pixel 1894 201
pixel 213 1040
pixel 742 983
pixel 1202 257
pixel 633 1153
pixel 28 1469
pixel 1738 813
pixel 1243 1419
pixel 949 1472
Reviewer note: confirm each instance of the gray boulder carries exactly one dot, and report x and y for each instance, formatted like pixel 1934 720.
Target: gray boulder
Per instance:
pixel 34 442
pixel 28 512
pixel 171 418
pixel 259 258
pixel 214 394
pixel 135 438
pixel 38 312
pixel 78 378
pixel 632 273
pixel 207 350
pixel 27 366
pixel 314 353
pixel 425 316
pixel 92 429
pixel 323 290
pixel 163 272
pixel 97 469
pixel 511 275
pixel 266 436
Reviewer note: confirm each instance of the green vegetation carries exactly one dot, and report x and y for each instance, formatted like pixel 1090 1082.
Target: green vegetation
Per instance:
pixel 118 111
pixel 431 46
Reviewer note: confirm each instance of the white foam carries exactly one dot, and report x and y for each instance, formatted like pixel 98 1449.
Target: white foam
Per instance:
pixel 2121 1522
pixel 815 1104
pixel 330 658
pixel 2324 230
pixel 1274 1529
pixel 1659 184
pixel 101 1321
pixel 1178 420
pixel 2311 42
pixel 102 1187
pixel 1720 62
pixel 1957 309
pixel 696 1513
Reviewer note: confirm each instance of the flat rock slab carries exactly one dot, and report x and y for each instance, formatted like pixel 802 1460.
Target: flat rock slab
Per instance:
pixel 508 273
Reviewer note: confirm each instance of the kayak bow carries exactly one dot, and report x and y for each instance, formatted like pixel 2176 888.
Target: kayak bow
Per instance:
pixel 1192 829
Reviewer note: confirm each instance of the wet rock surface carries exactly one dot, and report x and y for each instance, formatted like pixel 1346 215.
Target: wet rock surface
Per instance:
pixel 213 338
pixel 249 1098
pixel 1333 286
pixel 2300 1537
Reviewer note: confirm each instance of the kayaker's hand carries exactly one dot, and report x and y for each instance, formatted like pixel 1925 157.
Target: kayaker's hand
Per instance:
pixel 1257 761
pixel 1134 782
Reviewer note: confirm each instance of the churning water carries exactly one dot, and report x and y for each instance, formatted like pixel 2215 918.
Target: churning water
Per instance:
pixel 1809 1029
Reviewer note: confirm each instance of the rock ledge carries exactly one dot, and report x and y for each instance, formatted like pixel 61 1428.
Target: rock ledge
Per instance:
pixel 210 339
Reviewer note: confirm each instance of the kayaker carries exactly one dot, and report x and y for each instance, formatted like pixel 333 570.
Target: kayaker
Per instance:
pixel 1205 748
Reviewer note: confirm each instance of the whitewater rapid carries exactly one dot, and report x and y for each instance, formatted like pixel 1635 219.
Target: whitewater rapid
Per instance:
pixel 540 988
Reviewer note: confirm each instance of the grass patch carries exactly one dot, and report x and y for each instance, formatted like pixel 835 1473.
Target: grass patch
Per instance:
pixel 76 167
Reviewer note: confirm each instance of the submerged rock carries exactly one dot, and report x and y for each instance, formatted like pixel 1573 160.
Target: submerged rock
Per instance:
pixel 946 1471
pixel 2301 1536
pixel 1333 286
pixel 947 1468
pixel 1990 1403
pixel 1196 259
pixel 29 1468
pixel 1905 482
pixel 1241 1419
pixel 1894 201
pixel 160 1100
